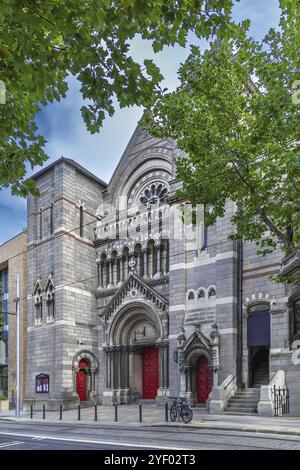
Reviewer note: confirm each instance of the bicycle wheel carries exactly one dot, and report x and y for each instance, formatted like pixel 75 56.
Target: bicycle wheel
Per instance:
pixel 173 413
pixel 186 414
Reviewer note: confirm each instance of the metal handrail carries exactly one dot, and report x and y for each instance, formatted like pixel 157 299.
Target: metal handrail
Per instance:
pixel 230 382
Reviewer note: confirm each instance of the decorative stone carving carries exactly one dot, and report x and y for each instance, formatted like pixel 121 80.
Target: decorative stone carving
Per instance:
pixel 132 263
pixel 135 283
pixel 155 193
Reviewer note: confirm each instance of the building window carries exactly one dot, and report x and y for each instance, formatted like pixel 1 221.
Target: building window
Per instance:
pixel 81 222
pixel 39 312
pixel 205 238
pixel 191 296
pixel 50 300
pixel 50 306
pixel 259 307
pixel 51 218
pixel 201 294
pixel 212 292
pixel 41 224
pixel 297 318
pixel 38 303
pixel 154 193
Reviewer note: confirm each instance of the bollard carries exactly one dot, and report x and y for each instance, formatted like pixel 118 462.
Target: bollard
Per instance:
pixel 44 411
pixel 96 413
pixel 31 411
pixel 60 412
pixel 166 413
pixel 116 413
pixel 140 413
pixel 78 419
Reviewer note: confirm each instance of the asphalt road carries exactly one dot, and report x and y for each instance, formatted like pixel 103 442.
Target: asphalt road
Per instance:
pixel 45 436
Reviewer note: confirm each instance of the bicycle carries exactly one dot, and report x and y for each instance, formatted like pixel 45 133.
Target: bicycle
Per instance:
pixel 179 408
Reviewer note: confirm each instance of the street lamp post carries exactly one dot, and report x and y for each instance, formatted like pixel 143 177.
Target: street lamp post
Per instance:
pixel 18 349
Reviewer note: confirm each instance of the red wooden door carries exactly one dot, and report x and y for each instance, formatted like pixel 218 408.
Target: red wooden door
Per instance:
pixel 81 379
pixel 150 372
pixel 81 384
pixel 203 380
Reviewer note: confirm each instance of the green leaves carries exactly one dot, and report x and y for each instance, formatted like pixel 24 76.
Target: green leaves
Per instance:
pixel 241 139
pixel 43 42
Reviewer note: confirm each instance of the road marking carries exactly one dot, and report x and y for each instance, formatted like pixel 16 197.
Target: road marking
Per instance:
pixel 110 443
pixel 8 444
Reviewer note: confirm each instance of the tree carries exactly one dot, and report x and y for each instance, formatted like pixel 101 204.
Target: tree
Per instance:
pixel 42 42
pixel 235 116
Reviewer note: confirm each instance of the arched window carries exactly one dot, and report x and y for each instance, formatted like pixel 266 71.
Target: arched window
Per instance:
pixel 38 302
pixel 51 218
pixel 212 292
pixel 41 223
pixel 259 307
pixel 201 294
pixel 81 221
pixel 191 296
pixel 154 193
pixel 297 319
pixel 50 301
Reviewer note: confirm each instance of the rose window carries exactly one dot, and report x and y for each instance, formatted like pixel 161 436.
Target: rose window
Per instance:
pixel 154 193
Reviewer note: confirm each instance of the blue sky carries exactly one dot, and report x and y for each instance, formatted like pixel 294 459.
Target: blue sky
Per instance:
pixel 65 132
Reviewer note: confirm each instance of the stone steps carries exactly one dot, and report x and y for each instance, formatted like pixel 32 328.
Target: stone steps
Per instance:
pixel 244 402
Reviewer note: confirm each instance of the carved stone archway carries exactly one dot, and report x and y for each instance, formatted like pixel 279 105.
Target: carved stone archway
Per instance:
pixel 189 352
pixel 135 328
pixel 91 372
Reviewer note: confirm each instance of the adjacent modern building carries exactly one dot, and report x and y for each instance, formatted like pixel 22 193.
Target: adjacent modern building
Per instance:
pixel 129 298
pixel 13 262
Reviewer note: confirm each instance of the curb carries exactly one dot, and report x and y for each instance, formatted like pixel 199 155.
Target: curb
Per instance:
pixel 221 427
pixel 200 426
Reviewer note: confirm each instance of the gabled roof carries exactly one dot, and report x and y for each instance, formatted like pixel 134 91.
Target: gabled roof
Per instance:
pixel 74 164
pixel 140 285
pixel 198 338
pixel 37 286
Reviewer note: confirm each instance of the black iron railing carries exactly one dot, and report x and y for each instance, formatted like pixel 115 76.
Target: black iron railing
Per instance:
pixel 281 400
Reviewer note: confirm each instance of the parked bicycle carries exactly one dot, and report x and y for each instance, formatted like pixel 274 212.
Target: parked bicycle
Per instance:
pixel 179 408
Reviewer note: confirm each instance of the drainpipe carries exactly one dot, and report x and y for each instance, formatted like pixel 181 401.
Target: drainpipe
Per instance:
pixel 239 355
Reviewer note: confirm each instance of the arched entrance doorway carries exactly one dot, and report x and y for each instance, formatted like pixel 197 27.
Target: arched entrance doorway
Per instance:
pixel 204 379
pixel 258 338
pixel 197 370
pixel 85 366
pixel 137 357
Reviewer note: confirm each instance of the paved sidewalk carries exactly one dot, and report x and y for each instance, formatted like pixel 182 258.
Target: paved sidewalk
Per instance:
pixel 154 415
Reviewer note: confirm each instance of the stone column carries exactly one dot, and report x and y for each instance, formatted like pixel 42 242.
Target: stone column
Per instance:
pixel 110 275
pixel 100 276
pixel 145 260
pixel 215 349
pixel 158 266
pixel 119 362
pixel 108 370
pixel 121 270
pixel 161 366
pixel 126 267
pixel 166 366
pixel 188 371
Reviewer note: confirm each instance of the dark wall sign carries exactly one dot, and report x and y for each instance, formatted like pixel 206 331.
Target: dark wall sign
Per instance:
pixel 42 383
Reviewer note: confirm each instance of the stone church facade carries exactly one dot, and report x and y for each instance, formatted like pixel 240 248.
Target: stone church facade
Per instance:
pixel 129 299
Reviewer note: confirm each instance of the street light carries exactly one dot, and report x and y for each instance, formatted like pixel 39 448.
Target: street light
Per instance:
pixel 18 348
